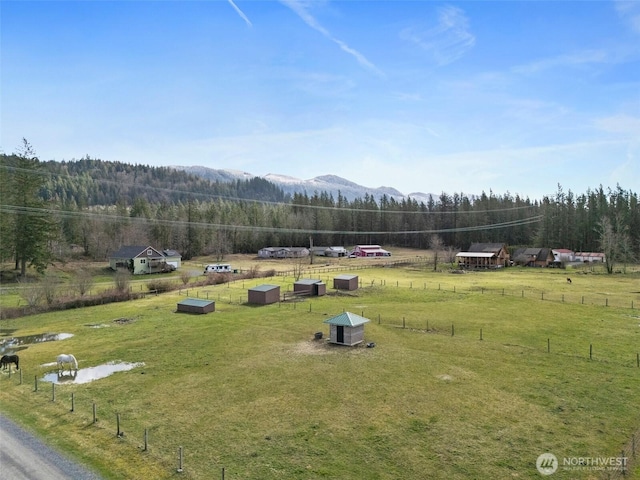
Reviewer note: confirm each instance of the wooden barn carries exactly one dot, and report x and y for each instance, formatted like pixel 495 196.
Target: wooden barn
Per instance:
pixel 533 257
pixel 264 294
pixel 311 287
pixel 346 329
pixel 196 305
pixel 345 282
pixel 484 255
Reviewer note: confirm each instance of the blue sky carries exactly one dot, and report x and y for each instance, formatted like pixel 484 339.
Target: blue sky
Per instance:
pixel 423 96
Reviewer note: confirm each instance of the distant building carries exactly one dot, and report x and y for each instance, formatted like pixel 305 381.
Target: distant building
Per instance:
pixel 484 255
pixel 533 257
pixel 283 252
pixel 370 251
pixel 590 257
pixel 140 260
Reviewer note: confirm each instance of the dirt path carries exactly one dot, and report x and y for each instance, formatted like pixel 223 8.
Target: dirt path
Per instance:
pixel 25 457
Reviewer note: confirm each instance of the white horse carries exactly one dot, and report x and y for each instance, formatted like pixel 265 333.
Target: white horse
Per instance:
pixel 67 359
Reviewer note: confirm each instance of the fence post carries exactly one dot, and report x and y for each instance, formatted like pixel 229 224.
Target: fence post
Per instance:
pixel 118 432
pixel 548 345
pixel 179 460
pixel 146 439
pixel 95 419
pixel 452 330
pixel 403 325
pixel 73 401
pixel 53 391
pixel 480 334
pixel 35 378
pixel 591 351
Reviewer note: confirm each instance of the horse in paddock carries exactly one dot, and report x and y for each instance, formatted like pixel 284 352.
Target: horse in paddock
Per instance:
pixel 8 360
pixel 67 359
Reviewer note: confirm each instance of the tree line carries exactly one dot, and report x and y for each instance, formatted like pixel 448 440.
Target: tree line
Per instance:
pixel 89 208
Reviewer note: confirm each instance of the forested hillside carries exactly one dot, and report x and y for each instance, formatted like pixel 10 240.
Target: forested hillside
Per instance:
pixel 94 207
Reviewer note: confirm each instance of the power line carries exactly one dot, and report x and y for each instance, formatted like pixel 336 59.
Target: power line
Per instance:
pixel 20 210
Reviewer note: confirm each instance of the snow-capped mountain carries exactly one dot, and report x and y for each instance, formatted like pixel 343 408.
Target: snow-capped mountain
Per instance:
pixel 331 184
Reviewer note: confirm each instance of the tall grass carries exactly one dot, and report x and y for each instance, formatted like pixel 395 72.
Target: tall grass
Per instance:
pixel 248 389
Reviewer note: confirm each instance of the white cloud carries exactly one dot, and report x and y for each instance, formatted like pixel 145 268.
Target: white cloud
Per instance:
pixel 446 42
pixel 241 13
pixel 301 9
pixel 580 58
pixel 629 10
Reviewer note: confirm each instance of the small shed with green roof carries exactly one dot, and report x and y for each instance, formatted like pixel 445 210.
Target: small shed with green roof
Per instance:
pixel 264 294
pixel 196 305
pixel 346 329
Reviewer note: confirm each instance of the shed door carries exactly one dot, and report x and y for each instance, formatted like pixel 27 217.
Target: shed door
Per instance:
pixel 339 334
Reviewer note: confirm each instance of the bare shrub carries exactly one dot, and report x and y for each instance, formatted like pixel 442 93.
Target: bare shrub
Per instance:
pixel 31 292
pixel 83 282
pixel 123 280
pixel 185 276
pixel 160 286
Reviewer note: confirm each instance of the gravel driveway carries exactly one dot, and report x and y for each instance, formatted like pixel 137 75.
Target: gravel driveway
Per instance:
pixel 24 457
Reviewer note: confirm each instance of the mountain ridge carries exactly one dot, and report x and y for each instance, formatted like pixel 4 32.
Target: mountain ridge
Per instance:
pixel 330 183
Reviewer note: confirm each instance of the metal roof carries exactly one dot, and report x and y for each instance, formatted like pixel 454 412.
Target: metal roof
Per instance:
pixel 347 319
pixel 265 287
pixel 475 255
pixel 308 281
pixel 345 277
pixel 196 302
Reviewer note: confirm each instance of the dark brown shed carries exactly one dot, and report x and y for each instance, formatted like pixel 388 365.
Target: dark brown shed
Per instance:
pixel 196 305
pixel 264 294
pixel 310 286
pixel 345 282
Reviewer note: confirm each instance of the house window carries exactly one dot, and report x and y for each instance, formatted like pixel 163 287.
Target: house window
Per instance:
pixel 149 253
pixel 143 260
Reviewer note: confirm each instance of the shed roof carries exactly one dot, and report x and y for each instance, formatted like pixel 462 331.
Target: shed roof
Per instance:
pixel 308 281
pixel 345 277
pixel 265 287
pixel 347 319
pixel 196 302
pixel 476 255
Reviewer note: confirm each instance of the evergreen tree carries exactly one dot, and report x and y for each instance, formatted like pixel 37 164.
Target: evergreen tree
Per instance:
pixel 26 223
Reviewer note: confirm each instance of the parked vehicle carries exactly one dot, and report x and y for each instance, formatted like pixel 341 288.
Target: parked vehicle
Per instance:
pixel 218 268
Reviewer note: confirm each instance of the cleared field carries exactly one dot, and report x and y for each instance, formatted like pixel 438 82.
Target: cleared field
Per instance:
pixel 248 388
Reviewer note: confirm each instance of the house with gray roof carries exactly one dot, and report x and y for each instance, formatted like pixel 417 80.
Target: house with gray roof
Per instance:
pixel 140 259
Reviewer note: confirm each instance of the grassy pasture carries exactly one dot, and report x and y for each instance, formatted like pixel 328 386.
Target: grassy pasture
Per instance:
pixel 247 388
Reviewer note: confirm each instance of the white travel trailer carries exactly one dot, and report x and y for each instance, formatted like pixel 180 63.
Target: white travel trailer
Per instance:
pixel 218 268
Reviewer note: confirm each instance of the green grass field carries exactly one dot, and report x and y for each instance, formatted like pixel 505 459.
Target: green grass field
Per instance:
pixel 247 388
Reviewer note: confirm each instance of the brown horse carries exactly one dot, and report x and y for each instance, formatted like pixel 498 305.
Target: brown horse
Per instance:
pixel 8 360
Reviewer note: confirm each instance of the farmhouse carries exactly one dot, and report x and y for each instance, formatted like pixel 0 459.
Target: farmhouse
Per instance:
pixel 310 287
pixel 484 255
pixel 346 329
pixel 264 294
pixel 140 260
pixel 370 251
pixel 533 257
pixel 283 252
pixel 196 305
pixel 345 282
